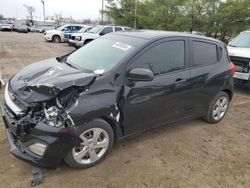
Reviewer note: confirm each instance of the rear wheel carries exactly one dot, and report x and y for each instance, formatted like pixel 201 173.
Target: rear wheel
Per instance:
pixel 56 39
pixel 217 108
pixel 97 140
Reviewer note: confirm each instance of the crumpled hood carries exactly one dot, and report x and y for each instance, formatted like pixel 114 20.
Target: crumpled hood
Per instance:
pixel 44 80
pixel 239 52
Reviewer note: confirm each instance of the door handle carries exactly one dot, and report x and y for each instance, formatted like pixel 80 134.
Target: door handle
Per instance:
pixel 179 81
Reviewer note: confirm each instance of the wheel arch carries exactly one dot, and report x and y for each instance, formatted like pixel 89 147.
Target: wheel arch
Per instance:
pixel 114 125
pixel 229 92
pixel 87 40
pixel 56 35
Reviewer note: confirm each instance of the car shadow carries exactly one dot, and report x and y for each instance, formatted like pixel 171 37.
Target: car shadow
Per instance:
pixel 159 132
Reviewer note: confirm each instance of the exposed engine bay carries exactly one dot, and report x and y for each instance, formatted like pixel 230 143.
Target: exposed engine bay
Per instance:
pixel 54 112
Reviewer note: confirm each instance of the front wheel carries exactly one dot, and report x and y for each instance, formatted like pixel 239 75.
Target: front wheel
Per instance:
pixel 56 39
pixel 217 108
pixel 97 140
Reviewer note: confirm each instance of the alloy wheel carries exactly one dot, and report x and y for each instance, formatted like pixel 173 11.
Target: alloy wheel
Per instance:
pixel 94 144
pixel 220 108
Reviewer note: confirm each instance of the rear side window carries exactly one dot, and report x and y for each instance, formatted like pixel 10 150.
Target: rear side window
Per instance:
pixel 204 53
pixel 118 29
pixel 127 29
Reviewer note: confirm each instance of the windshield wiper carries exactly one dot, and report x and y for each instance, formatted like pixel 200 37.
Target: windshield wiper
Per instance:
pixel 69 64
pixel 232 45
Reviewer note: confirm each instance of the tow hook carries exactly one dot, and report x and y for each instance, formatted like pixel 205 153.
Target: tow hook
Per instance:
pixel 37 176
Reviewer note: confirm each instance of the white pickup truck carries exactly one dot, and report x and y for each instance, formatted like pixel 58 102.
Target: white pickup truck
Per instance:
pixel 239 53
pixel 80 39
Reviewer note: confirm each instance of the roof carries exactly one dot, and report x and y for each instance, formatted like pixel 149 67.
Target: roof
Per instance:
pixel 157 34
pixel 74 24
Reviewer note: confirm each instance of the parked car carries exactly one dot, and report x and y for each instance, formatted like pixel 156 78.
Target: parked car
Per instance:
pixel 76 106
pixel 84 38
pixel 239 52
pixel 70 35
pixel 22 29
pixel 38 29
pixel 6 27
pixel 58 34
pixel 46 28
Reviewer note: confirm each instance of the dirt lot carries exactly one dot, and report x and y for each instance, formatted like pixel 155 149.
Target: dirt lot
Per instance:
pixel 188 154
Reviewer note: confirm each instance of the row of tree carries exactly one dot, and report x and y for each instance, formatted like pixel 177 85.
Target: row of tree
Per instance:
pixel 59 19
pixel 217 18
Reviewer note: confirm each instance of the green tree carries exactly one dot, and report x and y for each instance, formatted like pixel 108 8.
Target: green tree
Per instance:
pixel 217 18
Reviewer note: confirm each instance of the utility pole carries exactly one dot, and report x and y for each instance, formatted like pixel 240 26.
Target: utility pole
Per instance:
pixel 102 9
pixel 135 22
pixel 42 1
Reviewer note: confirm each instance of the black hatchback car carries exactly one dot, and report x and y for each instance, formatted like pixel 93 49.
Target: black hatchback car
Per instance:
pixel 76 106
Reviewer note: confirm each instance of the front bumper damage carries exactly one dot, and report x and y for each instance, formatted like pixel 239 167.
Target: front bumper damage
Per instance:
pixel 58 141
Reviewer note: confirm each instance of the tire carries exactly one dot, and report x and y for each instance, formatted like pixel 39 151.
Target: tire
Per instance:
pixel 217 108
pixel 56 39
pixel 91 151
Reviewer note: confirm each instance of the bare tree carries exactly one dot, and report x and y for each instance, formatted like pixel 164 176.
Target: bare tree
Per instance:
pixel 30 11
pixel 58 18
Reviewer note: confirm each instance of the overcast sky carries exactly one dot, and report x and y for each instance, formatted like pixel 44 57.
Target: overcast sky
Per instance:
pixel 78 9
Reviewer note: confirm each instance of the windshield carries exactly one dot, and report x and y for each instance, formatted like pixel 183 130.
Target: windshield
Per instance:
pixel 83 30
pixel 60 28
pixel 241 41
pixel 95 29
pixel 100 55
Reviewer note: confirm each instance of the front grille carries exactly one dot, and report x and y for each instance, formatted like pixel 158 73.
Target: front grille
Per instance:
pixel 72 37
pixel 66 36
pixel 241 63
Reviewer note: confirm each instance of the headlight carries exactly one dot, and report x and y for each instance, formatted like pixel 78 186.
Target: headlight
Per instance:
pixel 78 38
pixel 37 148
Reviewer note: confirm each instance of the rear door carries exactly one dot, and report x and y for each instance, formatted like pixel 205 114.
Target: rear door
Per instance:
pixel 207 74
pixel 149 104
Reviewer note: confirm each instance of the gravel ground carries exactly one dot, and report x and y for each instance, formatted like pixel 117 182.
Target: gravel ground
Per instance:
pixel 187 154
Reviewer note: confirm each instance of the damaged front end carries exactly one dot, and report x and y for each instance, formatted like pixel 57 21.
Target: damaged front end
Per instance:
pixel 44 92
pixel 54 112
pixel 44 105
pixel 35 129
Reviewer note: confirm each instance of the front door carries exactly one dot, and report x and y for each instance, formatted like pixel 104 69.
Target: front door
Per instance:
pixel 149 104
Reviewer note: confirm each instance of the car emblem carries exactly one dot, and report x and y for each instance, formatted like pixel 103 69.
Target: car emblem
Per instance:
pixel 12 97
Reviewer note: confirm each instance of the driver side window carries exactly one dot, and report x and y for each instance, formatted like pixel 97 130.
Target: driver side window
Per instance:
pixel 163 58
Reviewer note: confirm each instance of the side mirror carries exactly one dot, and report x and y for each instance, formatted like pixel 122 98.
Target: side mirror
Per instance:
pixel 140 74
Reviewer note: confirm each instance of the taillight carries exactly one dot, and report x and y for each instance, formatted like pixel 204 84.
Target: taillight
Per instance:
pixel 233 68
